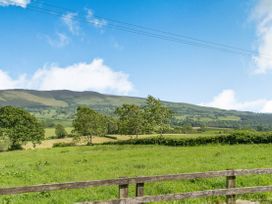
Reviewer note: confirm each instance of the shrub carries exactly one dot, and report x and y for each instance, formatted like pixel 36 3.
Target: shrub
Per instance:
pixel 15 147
pixel 64 144
pixel 60 131
pixel 110 137
pixel 236 137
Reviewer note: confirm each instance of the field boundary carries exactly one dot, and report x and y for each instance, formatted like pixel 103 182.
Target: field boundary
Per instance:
pixel 124 182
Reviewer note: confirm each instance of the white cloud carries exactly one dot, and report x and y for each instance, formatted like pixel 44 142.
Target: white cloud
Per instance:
pixel 95 76
pixel 98 23
pixel 262 14
pixel 21 3
pixel 69 20
pixel 227 100
pixel 6 82
pixel 61 40
pixel 267 108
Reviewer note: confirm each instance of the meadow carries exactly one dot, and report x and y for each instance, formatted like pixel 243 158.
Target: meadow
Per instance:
pixel 105 161
pixel 50 132
pixel 50 137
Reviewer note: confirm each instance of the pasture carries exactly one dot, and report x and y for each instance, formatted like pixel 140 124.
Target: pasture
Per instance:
pixel 50 132
pixel 102 162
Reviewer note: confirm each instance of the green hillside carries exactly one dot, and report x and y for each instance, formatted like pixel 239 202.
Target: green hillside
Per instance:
pixel 59 107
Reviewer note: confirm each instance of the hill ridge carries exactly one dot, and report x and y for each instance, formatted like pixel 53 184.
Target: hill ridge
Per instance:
pixel 61 105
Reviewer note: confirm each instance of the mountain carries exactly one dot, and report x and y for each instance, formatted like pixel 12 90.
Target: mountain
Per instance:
pixel 59 107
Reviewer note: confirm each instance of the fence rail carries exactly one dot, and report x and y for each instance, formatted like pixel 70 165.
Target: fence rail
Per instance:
pixel 123 184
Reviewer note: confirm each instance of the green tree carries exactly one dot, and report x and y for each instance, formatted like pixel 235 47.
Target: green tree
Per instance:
pixel 19 126
pixel 112 125
pixel 157 116
pixel 202 128
pixel 131 119
pixel 89 123
pixel 60 131
pixel 187 128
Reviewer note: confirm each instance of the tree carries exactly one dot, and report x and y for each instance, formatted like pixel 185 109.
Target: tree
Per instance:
pixel 89 123
pixel 112 124
pixel 187 128
pixel 202 128
pixel 60 131
pixel 19 126
pixel 131 119
pixel 156 115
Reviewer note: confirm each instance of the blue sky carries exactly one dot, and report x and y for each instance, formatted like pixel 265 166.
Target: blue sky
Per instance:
pixel 74 49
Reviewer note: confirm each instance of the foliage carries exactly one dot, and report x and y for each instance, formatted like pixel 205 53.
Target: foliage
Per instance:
pixel 236 137
pixel 60 131
pixel 19 126
pixel 131 119
pixel 135 120
pixel 157 116
pixel 64 144
pixel 187 129
pixel 89 123
pixel 50 132
pixel 112 125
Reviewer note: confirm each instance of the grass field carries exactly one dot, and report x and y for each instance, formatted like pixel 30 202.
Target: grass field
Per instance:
pixel 49 143
pixel 101 162
pixel 50 132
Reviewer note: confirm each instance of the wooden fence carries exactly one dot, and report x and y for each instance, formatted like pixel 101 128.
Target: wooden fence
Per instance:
pixel 230 191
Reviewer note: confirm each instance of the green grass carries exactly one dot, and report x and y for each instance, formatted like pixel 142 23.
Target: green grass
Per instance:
pixel 101 162
pixel 230 117
pixel 49 132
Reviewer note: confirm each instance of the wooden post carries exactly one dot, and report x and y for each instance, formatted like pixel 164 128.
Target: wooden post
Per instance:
pixel 230 183
pixel 139 189
pixel 123 190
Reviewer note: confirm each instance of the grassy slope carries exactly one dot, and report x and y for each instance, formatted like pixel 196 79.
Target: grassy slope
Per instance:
pixel 101 162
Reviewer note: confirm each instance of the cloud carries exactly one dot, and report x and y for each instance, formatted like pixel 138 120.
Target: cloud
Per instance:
pixel 21 3
pixel 69 20
pixel 61 40
pixel 96 22
pixel 94 76
pixel 262 15
pixel 6 82
pixel 227 100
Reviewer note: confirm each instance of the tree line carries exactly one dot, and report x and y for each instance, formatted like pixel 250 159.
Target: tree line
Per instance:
pixel 18 126
pixel 129 119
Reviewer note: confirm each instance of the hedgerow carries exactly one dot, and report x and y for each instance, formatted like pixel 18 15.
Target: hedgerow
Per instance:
pixel 64 144
pixel 237 137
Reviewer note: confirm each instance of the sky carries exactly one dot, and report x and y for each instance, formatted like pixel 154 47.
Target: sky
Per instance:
pixel 78 45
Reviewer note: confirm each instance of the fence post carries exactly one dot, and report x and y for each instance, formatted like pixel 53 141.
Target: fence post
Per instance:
pixel 230 183
pixel 123 190
pixel 139 189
